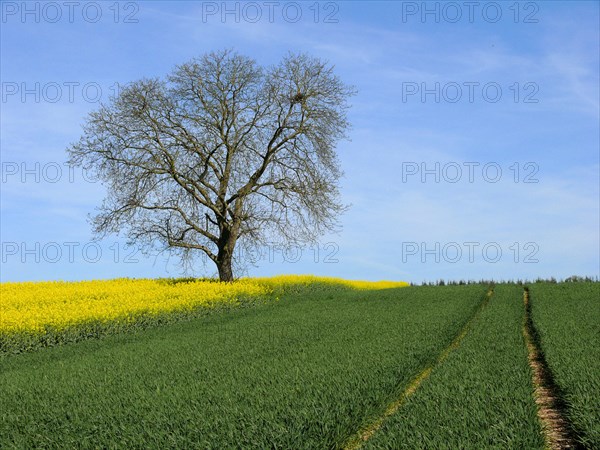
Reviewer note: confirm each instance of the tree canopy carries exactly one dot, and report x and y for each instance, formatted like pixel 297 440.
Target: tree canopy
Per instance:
pixel 221 153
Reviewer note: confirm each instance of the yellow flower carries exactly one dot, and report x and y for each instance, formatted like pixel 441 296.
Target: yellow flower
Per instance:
pixel 33 306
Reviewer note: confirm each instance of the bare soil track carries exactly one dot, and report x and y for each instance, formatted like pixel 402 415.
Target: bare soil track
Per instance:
pixel 557 429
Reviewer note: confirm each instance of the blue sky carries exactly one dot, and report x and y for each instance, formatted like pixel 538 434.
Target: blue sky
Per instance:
pixel 512 137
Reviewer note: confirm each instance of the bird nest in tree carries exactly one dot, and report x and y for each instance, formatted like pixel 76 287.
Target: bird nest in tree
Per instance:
pixel 298 97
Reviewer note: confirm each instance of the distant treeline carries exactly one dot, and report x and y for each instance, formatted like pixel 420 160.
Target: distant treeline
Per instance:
pixel 571 279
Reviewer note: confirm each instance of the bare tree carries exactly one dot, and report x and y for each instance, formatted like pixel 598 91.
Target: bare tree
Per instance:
pixel 222 152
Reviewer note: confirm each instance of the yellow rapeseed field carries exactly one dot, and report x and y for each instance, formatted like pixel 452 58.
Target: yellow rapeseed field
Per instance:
pixel 31 307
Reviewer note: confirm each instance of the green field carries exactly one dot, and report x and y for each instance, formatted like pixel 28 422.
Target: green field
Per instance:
pixel 481 396
pixel 567 319
pixel 315 370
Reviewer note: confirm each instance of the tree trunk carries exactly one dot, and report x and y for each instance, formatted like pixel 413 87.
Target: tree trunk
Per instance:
pixel 228 236
pixel 224 261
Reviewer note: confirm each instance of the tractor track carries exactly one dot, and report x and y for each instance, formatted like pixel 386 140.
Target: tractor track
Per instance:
pixel 358 439
pixel 558 431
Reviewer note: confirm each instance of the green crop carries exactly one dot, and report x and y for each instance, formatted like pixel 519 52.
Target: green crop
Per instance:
pixel 305 372
pixel 480 396
pixel 567 320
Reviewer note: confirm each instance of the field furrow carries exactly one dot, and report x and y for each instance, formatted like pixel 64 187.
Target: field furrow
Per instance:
pixel 356 441
pixel 481 396
pixel 567 320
